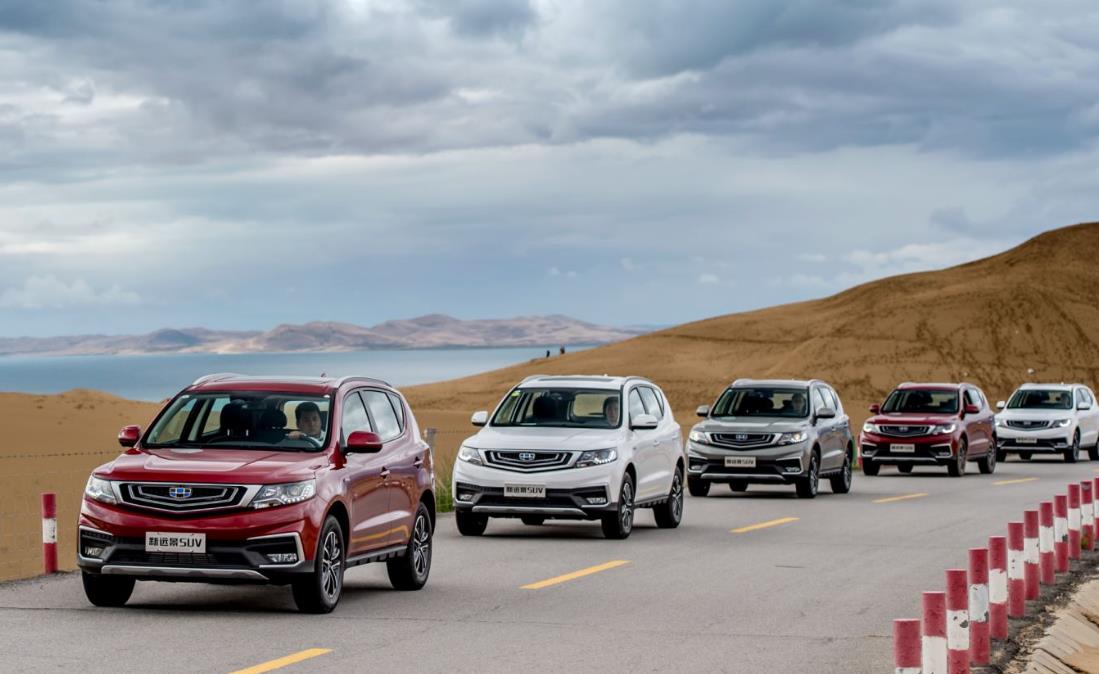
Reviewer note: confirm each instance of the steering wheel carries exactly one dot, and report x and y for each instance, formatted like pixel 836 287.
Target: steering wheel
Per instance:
pixel 313 441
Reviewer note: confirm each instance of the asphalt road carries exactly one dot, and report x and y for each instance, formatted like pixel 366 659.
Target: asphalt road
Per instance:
pixel 812 594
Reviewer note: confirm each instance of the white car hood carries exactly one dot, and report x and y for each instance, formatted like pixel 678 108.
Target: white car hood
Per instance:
pixel 1037 415
pixel 545 438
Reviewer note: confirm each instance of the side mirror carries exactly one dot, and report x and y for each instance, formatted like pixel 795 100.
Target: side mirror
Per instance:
pixel 703 411
pixel 972 409
pixel 643 422
pixel 1001 405
pixel 479 418
pixel 875 409
pixel 1083 405
pixel 129 436
pixel 363 442
pixel 826 413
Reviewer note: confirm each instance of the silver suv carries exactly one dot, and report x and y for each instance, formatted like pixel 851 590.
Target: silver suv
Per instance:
pixel 772 431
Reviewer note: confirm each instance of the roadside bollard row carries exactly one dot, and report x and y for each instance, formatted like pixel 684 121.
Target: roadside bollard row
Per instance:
pixel 959 625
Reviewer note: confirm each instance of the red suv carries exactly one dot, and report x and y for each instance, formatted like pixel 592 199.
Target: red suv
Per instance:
pixel 930 424
pixel 263 480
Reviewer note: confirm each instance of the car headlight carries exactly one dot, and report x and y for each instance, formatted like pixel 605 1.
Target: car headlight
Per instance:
pixel 870 428
pixel 1061 423
pixel 943 429
pixel 699 436
pixel 792 438
pixel 100 490
pixel 596 457
pixel 470 455
pixel 998 422
pixel 284 494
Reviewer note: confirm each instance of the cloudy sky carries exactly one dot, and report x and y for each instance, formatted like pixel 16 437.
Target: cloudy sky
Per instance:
pixel 238 165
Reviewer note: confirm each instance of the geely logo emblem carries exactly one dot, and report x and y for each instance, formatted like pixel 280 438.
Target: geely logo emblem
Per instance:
pixel 526 456
pixel 902 429
pixel 179 492
pixel 741 437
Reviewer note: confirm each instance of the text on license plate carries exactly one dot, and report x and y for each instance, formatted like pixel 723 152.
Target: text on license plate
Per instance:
pixel 1027 441
pixel 524 491
pixel 740 462
pixel 162 541
pixel 903 449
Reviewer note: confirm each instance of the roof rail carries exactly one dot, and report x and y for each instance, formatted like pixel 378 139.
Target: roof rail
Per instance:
pixel 354 377
pixel 207 378
pixel 532 376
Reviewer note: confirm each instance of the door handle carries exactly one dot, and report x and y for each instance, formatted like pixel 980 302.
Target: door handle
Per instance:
pixel 385 472
pixel 418 462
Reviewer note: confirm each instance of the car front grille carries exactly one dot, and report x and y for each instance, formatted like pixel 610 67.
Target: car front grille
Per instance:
pixel 742 440
pixel 180 559
pixel 181 497
pixel 904 431
pixel 527 461
pixel 1027 425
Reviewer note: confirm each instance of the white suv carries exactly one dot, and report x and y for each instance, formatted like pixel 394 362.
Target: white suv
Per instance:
pixel 560 447
pixel 1048 418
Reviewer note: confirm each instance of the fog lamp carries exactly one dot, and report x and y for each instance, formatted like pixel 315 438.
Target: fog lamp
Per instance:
pixel 283 557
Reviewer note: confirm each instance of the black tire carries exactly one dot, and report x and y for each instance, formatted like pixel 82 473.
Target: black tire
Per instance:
pixel 320 591
pixel 905 468
pixel 1025 456
pixel 1093 452
pixel 107 591
pixel 870 468
pixel 1072 454
pixel 698 487
pixel 841 484
pixel 617 525
pixel 808 486
pixel 1001 455
pixel 533 520
pixel 739 485
pixel 956 468
pixel 410 571
pixel 987 463
pixel 670 513
pixel 470 524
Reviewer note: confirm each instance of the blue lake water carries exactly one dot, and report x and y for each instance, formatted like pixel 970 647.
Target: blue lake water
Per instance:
pixel 155 377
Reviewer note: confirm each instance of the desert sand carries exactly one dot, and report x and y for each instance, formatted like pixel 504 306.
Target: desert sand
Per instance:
pixel 1029 314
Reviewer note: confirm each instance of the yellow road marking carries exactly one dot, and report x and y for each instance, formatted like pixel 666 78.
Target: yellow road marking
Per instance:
pixel 764 525
pixel 556 580
pixel 1019 481
pixel 905 497
pixel 283 662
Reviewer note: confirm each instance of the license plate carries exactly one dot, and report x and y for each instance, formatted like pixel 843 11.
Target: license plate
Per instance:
pixel 524 491
pixel 740 462
pixel 160 541
pixel 903 449
pixel 1026 441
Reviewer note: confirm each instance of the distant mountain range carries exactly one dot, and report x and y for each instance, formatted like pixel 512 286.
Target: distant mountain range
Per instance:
pixel 432 331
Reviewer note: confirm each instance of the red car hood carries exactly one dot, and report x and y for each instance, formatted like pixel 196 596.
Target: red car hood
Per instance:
pixel 238 466
pixel 913 419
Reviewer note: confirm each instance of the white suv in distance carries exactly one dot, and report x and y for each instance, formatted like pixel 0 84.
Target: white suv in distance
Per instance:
pixel 563 447
pixel 1050 419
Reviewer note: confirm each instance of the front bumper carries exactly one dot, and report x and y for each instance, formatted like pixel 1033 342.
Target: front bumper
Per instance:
pixel 1048 440
pixel 579 503
pixel 938 450
pixel 780 464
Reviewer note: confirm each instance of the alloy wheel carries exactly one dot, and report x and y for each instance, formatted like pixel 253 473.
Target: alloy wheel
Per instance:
pixel 814 474
pixel 331 565
pixel 421 546
pixel 677 496
pixel 626 507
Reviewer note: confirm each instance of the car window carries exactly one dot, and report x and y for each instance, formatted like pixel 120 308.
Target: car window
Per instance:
pixel 818 400
pixel 971 397
pixel 835 401
pixel 381 411
pixel 637 408
pixel 398 408
pixel 560 408
pixel 652 404
pixel 762 401
pixel 1040 399
pixel 354 416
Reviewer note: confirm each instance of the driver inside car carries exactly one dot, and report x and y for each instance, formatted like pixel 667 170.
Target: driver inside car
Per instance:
pixel 308 416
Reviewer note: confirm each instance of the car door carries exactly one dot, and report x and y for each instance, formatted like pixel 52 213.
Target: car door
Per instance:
pixel 646 446
pixel 979 425
pixel 1088 418
pixel 405 455
pixel 842 428
pixel 661 465
pixel 826 429
pixel 1093 415
pixel 365 482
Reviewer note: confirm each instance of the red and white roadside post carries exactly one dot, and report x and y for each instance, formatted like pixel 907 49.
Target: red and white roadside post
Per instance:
pixel 1074 521
pixel 979 643
pixel 1045 542
pixel 957 621
pixel 1095 508
pixel 1060 532
pixel 49 532
pixel 1030 553
pixel 933 658
pixel 906 646
pixel 1087 516
pixel 1016 585
pixel 997 583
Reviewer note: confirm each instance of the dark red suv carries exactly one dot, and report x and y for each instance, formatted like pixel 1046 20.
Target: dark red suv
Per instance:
pixel 930 424
pixel 263 480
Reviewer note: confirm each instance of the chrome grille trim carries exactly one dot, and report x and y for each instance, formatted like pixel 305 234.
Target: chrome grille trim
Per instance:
pixel 750 441
pixel 211 496
pixel 509 459
pixel 1027 425
pixel 899 431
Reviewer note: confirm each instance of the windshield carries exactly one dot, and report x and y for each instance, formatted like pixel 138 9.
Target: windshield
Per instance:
pixel 1040 399
pixel 560 407
pixel 763 402
pixel 243 420
pixel 921 401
